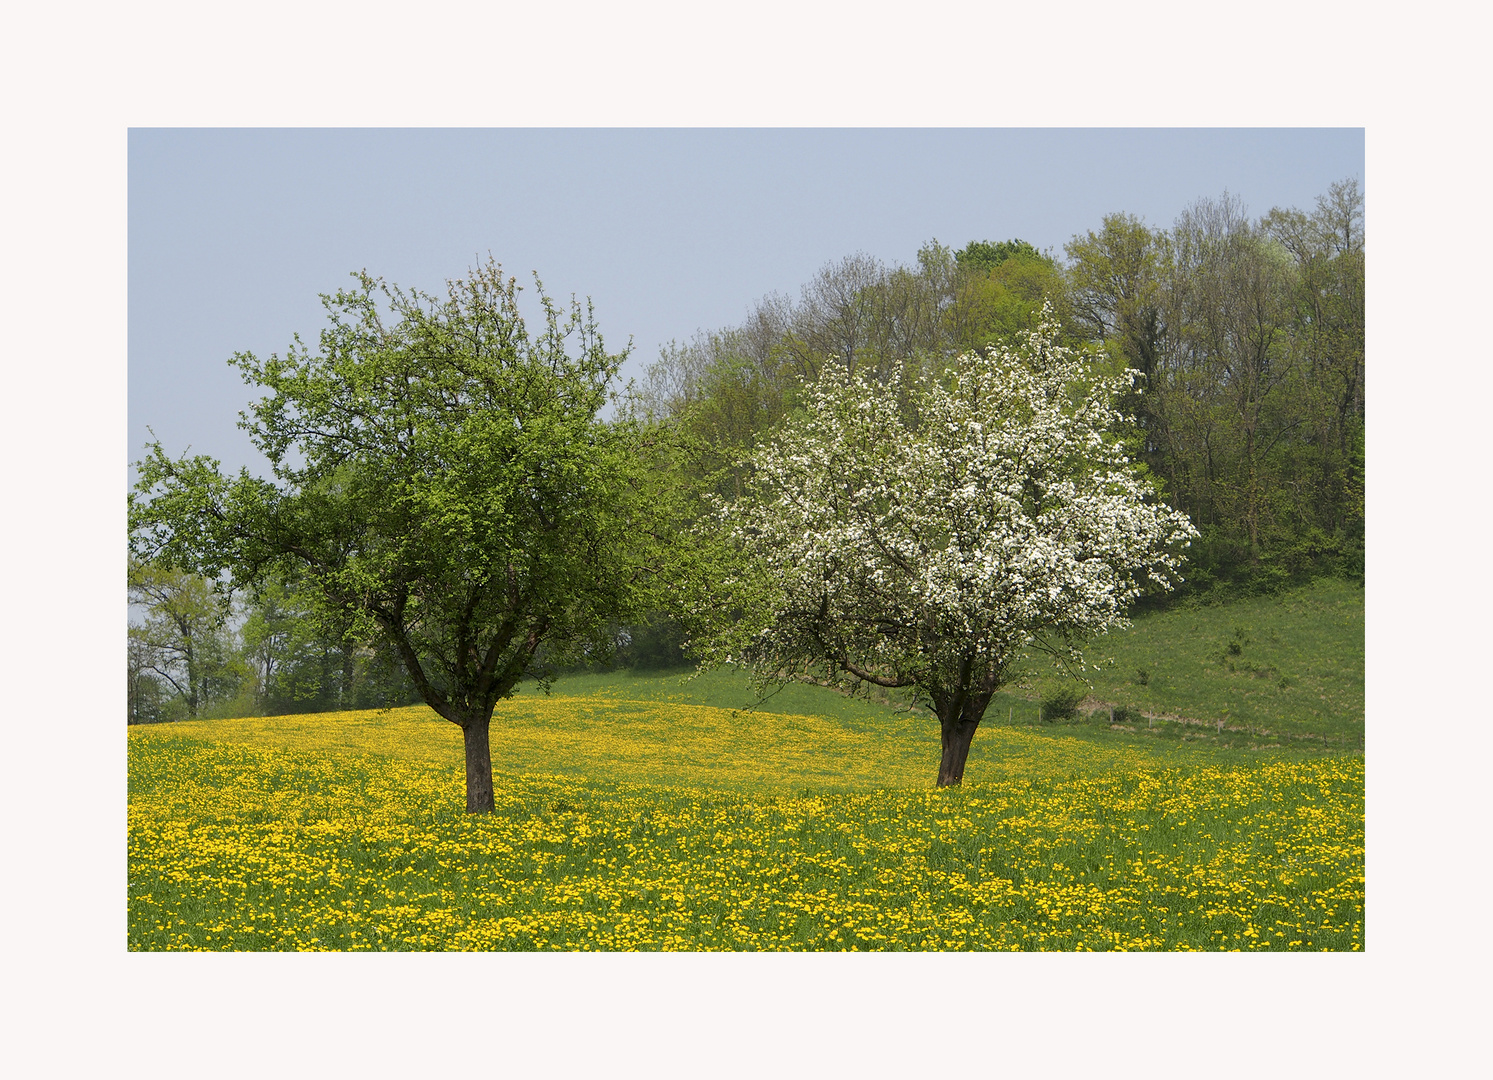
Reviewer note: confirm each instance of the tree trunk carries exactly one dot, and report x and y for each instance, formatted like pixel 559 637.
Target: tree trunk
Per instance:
pixel 957 733
pixel 479 765
pixel 345 690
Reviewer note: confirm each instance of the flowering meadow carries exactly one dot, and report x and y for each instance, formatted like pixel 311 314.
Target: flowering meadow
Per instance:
pixel 687 827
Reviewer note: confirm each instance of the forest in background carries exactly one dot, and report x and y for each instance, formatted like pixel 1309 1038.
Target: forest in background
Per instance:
pixel 1248 334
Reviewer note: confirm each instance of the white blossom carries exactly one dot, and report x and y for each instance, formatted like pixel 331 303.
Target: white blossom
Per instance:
pixel 923 533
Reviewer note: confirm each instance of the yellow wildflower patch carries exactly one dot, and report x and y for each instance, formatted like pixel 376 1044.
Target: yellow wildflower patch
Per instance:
pixel 682 827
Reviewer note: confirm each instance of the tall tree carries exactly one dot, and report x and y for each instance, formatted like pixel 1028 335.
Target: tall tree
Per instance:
pixel 297 665
pixel 1230 289
pixel 1116 280
pixel 1249 334
pixel 728 387
pixel 982 256
pixel 1000 293
pixel 1327 247
pixel 146 695
pixel 927 535
pixel 180 636
pixel 441 478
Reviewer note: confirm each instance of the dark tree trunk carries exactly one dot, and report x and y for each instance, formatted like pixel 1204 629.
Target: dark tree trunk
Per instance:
pixel 479 765
pixel 957 733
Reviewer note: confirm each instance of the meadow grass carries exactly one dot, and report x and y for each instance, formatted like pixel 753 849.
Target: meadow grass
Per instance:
pixel 1272 668
pixel 663 812
pixel 673 826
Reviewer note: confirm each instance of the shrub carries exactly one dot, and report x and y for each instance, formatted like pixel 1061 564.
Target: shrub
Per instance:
pixel 1238 641
pixel 1060 702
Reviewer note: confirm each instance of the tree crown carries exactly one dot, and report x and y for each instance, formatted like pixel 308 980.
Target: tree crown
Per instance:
pixel 927 534
pixel 440 476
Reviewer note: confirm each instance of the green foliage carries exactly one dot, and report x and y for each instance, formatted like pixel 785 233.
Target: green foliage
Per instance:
pixel 148 697
pixel 1060 702
pixel 380 680
pixel 1249 335
pixel 996 305
pixel 982 256
pixel 292 664
pixel 656 644
pixel 443 485
pixel 653 643
pixel 181 660
pixel 726 388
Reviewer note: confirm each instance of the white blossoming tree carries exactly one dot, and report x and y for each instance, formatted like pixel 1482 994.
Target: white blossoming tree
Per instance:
pixel 927 534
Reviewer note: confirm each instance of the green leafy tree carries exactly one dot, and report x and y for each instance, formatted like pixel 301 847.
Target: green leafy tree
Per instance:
pixel 727 388
pixel 268 638
pixel 982 256
pixel 180 639
pixel 1001 294
pixel 297 665
pixel 1327 247
pixel 1249 335
pixel 442 480
pixel 147 694
pixel 1116 279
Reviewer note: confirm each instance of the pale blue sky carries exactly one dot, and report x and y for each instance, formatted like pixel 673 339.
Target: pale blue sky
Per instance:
pixel 233 233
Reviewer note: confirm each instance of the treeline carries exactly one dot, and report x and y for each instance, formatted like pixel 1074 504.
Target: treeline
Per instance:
pixel 1248 334
pixel 195 654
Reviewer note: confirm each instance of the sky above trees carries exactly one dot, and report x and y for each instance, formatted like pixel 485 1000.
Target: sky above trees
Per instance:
pixel 233 233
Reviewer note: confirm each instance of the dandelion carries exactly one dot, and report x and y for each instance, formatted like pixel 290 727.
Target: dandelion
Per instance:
pixel 273 835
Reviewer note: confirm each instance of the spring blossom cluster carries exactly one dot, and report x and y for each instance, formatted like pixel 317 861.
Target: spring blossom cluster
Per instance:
pixel 925 533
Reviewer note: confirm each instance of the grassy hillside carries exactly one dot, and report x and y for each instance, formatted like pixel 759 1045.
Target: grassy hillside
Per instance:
pixel 1296 679
pixel 1289 665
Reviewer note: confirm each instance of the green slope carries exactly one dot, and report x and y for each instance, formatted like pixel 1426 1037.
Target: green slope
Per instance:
pixel 1296 679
